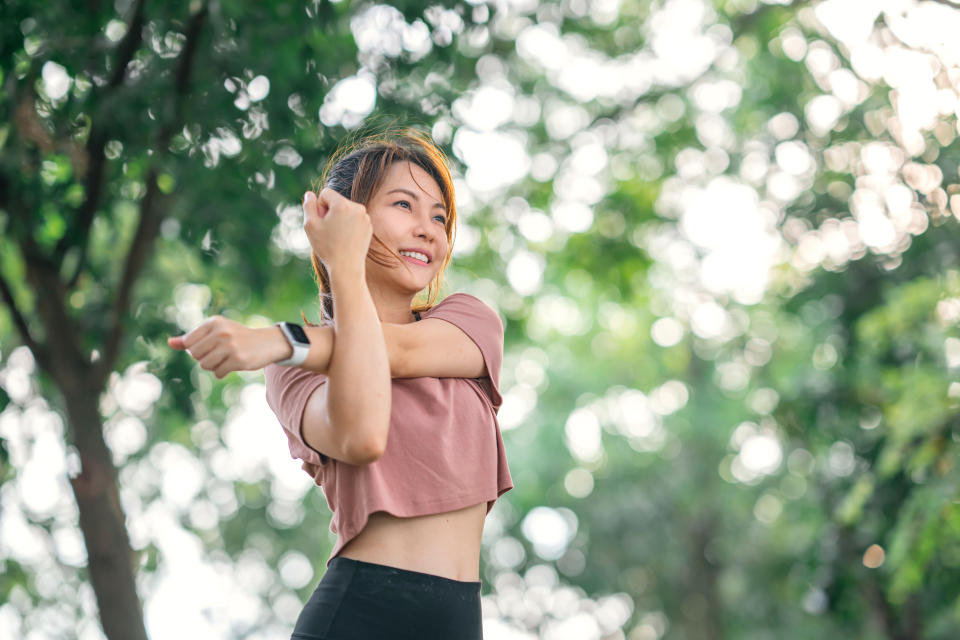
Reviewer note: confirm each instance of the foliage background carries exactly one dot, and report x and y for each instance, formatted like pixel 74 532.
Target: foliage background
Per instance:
pixel 722 236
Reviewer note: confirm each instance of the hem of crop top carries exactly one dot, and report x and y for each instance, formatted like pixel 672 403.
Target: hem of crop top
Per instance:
pixel 455 503
pixel 474 383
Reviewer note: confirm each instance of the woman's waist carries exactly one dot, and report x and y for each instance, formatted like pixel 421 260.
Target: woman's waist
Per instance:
pixel 443 544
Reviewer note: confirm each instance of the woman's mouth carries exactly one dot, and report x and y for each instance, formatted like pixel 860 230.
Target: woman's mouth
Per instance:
pixel 415 257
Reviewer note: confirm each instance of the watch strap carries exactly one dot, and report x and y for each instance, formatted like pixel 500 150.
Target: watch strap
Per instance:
pixel 301 347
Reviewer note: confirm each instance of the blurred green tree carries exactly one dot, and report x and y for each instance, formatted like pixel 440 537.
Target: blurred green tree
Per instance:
pixel 722 235
pixel 126 126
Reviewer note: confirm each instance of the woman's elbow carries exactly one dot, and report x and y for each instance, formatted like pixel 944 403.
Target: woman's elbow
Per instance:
pixel 371 456
pixel 368 451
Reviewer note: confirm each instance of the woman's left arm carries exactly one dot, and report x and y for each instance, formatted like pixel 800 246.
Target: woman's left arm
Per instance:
pixel 432 348
pixel 429 348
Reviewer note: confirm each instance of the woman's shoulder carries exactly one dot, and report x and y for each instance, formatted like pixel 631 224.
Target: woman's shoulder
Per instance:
pixel 462 302
pixel 473 316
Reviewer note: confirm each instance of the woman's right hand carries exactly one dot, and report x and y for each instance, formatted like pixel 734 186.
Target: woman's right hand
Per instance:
pixel 222 345
pixel 339 231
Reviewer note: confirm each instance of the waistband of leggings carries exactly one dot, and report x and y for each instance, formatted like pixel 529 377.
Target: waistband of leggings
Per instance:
pixel 373 569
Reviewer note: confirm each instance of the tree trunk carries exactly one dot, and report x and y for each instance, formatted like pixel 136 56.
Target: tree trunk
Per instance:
pixel 103 523
pixel 704 576
pixel 95 488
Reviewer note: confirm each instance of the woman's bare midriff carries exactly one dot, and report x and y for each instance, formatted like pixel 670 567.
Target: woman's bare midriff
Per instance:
pixel 442 544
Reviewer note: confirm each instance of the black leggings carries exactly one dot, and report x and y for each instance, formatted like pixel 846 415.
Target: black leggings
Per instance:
pixel 358 600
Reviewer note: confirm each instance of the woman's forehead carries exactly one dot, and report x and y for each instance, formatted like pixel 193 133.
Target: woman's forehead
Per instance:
pixel 413 177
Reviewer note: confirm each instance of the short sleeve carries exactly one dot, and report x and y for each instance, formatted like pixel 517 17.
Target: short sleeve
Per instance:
pixel 288 389
pixel 482 324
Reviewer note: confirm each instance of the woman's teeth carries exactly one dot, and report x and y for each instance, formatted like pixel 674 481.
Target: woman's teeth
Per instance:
pixel 416 255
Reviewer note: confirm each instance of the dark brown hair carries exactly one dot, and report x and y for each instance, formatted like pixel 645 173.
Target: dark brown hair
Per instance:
pixel 357 170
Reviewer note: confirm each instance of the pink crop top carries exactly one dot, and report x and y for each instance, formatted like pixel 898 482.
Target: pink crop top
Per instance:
pixel 444 449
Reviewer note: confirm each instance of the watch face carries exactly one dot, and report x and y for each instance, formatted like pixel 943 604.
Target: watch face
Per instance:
pixel 298 333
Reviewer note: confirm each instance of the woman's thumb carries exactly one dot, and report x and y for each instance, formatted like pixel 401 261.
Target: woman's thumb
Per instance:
pixel 176 342
pixel 313 206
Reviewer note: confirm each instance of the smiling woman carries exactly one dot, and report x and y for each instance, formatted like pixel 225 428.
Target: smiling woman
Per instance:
pixel 390 404
pixel 387 174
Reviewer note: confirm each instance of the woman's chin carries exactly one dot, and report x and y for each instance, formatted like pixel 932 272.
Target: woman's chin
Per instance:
pixel 411 286
pixel 422 287
pixel 400 282
pixel 419 282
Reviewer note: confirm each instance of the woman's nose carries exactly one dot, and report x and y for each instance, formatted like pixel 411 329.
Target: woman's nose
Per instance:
pixel 421 230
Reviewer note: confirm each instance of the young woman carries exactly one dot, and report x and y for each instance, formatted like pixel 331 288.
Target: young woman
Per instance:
pixel 390 404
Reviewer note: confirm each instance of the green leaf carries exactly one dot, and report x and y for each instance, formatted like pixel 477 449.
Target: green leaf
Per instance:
pixel 165 183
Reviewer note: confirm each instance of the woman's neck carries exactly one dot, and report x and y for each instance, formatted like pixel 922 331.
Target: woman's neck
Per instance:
pixel 392 306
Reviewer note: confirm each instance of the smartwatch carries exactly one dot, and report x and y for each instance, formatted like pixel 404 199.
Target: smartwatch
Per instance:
pixel 297 338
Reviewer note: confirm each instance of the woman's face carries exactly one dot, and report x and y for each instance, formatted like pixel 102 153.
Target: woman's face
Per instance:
pixel 408 215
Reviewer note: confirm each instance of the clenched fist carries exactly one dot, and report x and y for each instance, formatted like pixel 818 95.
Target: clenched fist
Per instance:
pixel 221 345
pixel 339 231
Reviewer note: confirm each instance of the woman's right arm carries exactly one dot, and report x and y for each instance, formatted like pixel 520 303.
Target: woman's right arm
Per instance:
pixel 348 417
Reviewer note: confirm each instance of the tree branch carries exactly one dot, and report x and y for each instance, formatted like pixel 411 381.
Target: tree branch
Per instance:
pixel 129 45
pixel 742 22
pixel 182 80
pixel 147 229
pixel 149 223
pixel 29 250
pixel 39 352
pixel 66 358
pixel 96 160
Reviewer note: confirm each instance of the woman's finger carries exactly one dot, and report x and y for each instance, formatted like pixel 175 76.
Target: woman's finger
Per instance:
pixel 199 332
pixel 201 349
pixel 225 367
pixel 313 207
pixel 329 197
pixel 214 359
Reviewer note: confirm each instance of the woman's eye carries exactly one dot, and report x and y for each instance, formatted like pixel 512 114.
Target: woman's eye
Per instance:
pixel 403 202
pixel 442 219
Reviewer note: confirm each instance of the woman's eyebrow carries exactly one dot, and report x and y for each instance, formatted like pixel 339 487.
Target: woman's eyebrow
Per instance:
pixel 415 197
